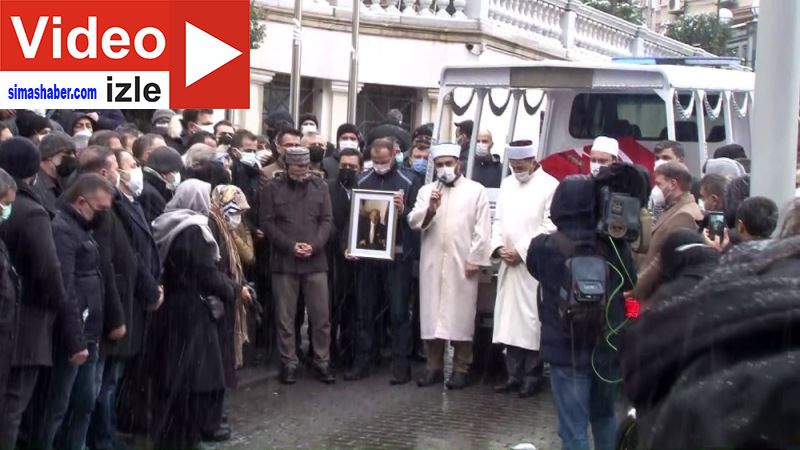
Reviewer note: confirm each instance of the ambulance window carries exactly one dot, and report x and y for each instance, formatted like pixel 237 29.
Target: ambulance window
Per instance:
pixel 640 116
pixel 715 129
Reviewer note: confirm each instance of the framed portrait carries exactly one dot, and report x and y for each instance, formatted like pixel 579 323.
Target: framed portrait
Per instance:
pixel 373 224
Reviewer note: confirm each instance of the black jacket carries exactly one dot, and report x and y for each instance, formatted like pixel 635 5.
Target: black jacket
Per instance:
pixel 717 366
pixel 9 310
pixel 148 269
pixel 49 190
pixel 28 235
pixel 397 179
pixel 81 319
pixel 154 197
pixel 186 338
pixel 487 171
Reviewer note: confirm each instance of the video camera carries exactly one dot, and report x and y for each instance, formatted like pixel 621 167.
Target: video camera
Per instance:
pixel 621 189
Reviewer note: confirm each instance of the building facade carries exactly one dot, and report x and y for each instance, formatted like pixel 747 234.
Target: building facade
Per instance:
pixel 404 45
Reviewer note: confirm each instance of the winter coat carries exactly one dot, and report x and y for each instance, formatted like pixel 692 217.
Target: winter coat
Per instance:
pixel 9 310
pixel 28 235
pixel 189 355
pixel 49 191
pixel 154 197
pixel 397 179
pixel 81 319
pixel 293 212
pixel 716 367
pixel 487 171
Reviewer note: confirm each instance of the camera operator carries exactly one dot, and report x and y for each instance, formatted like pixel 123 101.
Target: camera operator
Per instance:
pixel 584 368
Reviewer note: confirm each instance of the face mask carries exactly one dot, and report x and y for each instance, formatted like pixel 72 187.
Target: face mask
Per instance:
pixel 381 169
pixel 116 183
pixel 446 174
pixel 176 181
pixel 207 128
pixel 97 218
pixel 250 159
pixel 261 154
pixel 310 128
pixel 235 221
pixel 658 163
pixel 161 126
pixel 419 165
pixel 84 132
pixel 136 181
pixel 6 214
pixel 595 167
pixel 67 167
pixel 523 177
pixel 225 139
pixel 482 149
pixel 399 157
pixel 367 165
pixel 347 177
pixel 343 144
pixel 316 154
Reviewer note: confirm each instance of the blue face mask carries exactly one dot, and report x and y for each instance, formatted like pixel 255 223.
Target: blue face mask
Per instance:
pixel 6 213
pixel 399 157
pixel 419 165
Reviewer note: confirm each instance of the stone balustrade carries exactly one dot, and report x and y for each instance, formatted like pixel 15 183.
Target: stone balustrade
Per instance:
pixel 568 27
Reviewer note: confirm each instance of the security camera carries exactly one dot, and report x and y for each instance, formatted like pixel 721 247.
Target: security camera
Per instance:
pixel 475 49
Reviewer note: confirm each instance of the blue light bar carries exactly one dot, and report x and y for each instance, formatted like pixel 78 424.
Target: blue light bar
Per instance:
pixel 711 61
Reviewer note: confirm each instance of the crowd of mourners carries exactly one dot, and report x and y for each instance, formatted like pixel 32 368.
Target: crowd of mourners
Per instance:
pixel 140 269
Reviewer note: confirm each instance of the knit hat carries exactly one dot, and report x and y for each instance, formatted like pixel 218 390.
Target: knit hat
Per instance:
pixel 29 123
pixel 165 160
pixel 162 114
pixel 297 155
pixel 19 157
pixel 308 116
pixel 54 143
pixel 346 128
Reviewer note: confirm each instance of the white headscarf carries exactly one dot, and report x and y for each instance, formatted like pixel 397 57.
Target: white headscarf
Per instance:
pixel 189 206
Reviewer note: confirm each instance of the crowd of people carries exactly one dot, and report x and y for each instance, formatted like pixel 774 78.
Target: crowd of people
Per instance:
pixel 138 268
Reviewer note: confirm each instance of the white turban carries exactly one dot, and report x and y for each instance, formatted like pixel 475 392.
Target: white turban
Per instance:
pixel 521 151
pixel 606 145
pixel 453 150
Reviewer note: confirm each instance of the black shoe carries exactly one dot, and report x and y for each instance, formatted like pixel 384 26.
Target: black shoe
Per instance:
pixel 509 386
pixel 457 381
pixel 400 377
pixel 288 375
pixel 221 435
pixel 324 375
pixel 418 356
pixel 356 373
pixel 531 387
pixel 430 378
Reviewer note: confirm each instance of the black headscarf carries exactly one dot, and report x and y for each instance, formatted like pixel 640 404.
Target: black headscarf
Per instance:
pixel 684 248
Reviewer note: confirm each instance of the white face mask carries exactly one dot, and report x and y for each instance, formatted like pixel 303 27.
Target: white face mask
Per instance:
pixel 381 169
pixel 481 149
pixel 658 163
pixel 136 181
pixel 250 159
pixel 207 128
pixel 446 174
pixel 84 132
pixel 523 177
pixel 595 167
pixel 235 221
pixel 343 144
pixel 176 181
pixel 310 128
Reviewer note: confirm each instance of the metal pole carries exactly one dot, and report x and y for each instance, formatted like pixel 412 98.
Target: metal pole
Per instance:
pixel 476 128
pixel 512 126
pixel 352 86
pixel 297 46
pixel 777 96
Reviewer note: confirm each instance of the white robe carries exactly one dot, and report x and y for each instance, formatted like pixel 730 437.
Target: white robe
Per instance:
pixel 522 213
pixel 459 233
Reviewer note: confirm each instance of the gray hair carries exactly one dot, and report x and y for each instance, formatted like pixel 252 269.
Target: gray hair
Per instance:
pixel 7 183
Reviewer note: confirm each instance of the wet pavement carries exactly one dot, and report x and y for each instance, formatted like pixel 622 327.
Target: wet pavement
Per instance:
pixel 372 414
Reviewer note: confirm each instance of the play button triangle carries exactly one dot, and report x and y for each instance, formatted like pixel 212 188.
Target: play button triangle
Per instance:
pixel 205 54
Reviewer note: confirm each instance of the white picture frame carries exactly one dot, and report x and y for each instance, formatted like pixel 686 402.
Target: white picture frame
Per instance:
pixel 373 224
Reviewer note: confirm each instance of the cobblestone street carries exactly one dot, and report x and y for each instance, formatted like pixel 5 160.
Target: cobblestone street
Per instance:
pixel 372 414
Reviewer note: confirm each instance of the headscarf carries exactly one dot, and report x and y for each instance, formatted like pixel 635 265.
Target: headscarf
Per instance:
pixel 227 201
pixel 726 167
pixel 684 248
pixel 189 206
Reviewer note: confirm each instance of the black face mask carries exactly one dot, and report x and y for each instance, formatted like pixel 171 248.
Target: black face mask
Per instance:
pixel 68 165
pixel 316 154
pixel 96 220
pixel 347 177
pixel 225 139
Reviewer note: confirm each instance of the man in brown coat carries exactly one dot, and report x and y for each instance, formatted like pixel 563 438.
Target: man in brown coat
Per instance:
pixel 295 214
pixel 675 181
pixel 286 138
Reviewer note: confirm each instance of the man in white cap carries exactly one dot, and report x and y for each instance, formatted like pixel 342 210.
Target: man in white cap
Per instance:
pixel 522 213
pixel 453 214
pixel 605 151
